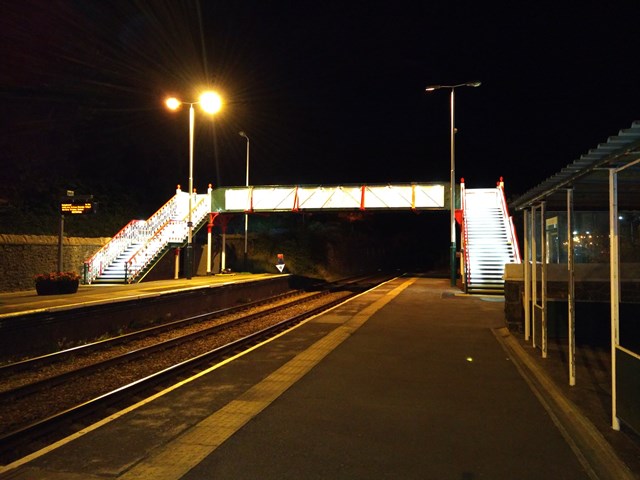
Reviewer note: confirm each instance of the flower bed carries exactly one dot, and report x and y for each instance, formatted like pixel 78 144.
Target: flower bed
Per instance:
pixel 57 283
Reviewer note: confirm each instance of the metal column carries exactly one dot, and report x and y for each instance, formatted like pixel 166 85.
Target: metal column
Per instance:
pixel 543 279
pixel 614 254
pixel 571 301
pixel 534 277
pixel 527 277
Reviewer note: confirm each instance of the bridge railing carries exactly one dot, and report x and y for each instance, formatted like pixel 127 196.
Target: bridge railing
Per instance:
pixel 465 274
pixel 513 237
pixel 128 235
pixel 135 232
pixel 172 231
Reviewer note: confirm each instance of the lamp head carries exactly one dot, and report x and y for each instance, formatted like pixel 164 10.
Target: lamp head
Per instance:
pixel 210 102
pixel 242 134
pixel 172 103
pixel 431 88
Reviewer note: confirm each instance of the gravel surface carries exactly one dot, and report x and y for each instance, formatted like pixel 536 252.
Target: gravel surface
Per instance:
pixel 17 413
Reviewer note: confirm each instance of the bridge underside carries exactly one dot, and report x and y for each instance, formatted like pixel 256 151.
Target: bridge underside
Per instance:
pixel 414 196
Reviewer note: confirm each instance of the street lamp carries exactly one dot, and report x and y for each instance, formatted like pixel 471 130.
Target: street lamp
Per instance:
pixel 246 217
pixel 452 179
pixel 211 103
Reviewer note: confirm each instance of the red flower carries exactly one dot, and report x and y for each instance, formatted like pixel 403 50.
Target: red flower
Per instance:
pixel 57 277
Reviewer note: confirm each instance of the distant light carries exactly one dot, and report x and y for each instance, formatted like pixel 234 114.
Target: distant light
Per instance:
pixel 173 103
pixel 469 359
pixel 620 217
pixel 575 232
pixel 210 102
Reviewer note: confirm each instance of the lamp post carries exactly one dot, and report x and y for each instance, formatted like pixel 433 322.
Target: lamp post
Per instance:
pixel 452 179
pixel 246 217
pixel 211 103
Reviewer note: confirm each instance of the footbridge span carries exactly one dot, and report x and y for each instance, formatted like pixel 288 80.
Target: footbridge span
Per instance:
pixel 133 251
pixel 294 198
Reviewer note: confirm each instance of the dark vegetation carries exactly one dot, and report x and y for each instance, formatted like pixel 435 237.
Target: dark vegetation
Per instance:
pixel 330 244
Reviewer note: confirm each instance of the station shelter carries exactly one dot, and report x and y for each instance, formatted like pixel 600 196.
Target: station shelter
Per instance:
pixel 581 263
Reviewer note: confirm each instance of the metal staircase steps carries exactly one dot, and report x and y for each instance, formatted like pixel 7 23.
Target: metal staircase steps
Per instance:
pixel 487 241
pixel 116 271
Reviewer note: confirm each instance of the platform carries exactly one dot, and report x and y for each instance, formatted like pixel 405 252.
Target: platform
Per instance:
pixel 410 380
pixel 29 300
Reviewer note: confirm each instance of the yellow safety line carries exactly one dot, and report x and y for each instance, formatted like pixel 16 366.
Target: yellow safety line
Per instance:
pixel 176 458
pixel 28 458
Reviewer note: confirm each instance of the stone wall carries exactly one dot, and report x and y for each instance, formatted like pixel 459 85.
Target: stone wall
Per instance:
pixel 24 256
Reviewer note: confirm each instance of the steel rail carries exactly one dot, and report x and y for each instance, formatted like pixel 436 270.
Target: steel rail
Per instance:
pixel 14 444
pixel 52 381
pixel 88 348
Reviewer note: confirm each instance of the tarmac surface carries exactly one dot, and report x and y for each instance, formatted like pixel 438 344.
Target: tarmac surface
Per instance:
pixel 410 380
pixel 15 303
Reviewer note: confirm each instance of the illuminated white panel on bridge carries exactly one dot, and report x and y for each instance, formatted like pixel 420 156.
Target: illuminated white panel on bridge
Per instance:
pixel 363 197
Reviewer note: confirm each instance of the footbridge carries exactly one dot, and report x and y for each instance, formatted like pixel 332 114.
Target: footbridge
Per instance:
pixel 133 251
pixel 295 198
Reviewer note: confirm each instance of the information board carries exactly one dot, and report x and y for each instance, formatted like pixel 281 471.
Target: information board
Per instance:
pixel 76 207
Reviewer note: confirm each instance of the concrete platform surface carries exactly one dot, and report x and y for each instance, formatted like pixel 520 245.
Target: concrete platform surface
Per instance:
pixel 28 300
pixel 409 381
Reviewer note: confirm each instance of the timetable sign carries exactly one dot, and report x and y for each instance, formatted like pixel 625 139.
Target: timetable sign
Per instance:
pixel 76 207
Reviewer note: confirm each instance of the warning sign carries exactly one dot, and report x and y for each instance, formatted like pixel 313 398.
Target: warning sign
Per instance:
pixel 280 264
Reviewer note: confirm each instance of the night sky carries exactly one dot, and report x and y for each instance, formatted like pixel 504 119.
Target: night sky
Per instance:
pixel 328 92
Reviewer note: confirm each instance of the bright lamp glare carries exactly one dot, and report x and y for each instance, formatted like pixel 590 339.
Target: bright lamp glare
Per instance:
pixel 210 102
pixel 173 103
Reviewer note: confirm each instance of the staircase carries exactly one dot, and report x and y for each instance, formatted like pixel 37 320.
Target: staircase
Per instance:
pixel 135 249
pixel 489 239
pixel 116 272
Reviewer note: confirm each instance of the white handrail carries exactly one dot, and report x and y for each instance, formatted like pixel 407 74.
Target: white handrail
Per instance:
pixel 167 225
pixel 172 231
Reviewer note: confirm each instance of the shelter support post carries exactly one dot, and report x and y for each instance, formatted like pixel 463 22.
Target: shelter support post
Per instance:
pixel 527 277
pixel 571 301
pixel 615 289
pixel 539 297
pixel 543 280
pixel 534 278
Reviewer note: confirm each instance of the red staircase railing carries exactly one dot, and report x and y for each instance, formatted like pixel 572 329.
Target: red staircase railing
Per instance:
pixel 512 229
pixel 465 274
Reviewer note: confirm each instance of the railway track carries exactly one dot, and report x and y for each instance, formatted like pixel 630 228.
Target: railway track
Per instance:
pixel 76 387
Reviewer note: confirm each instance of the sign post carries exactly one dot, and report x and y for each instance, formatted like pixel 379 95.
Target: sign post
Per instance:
pixel 74 206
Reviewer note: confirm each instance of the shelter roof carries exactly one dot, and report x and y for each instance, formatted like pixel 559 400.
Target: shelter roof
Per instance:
pixel 588 176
